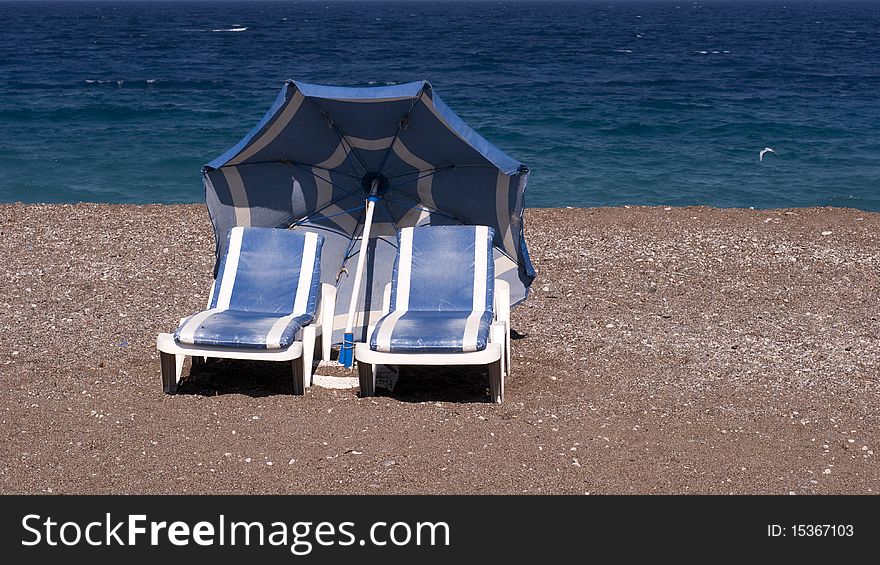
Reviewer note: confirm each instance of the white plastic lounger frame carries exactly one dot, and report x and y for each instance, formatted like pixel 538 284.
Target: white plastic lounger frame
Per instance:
pixel 496 355
pixel 301 352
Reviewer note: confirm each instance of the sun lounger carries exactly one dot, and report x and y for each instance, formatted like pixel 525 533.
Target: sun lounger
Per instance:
pixel 264 305
pixel 442 307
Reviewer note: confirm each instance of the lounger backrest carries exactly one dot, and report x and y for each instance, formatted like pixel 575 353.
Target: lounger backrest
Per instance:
pixel 269 270
pixel 444 268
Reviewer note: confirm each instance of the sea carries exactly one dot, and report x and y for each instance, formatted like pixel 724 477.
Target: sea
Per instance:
pixel 608 102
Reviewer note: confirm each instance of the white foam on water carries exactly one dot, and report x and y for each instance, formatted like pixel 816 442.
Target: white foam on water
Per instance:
pixel 232 29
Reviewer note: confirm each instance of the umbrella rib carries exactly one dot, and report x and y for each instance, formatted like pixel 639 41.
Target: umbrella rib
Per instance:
pixel 390 214
pixel 430 173
pixel 443 168
pixel 342 138
pixel 354 237
pixel 400 123
pixel 419 171
pixel 298 164
pixel 327 180
pixel 306 165
pixel 420 206
pixel 325 206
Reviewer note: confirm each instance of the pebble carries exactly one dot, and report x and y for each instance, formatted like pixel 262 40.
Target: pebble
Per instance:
pixel 827 233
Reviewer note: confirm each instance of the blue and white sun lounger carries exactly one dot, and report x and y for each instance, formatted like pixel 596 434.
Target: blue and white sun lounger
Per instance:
pixel 442 307
pixel 263 306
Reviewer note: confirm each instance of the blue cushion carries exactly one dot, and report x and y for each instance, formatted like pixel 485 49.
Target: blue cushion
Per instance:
pixel 266 291
pixel 234 328
pixel 441 291
pixel 432 332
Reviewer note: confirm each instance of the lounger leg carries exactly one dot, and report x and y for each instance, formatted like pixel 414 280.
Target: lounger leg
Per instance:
pixel 326 345
pixel 308 353
pixel 169 372
pixel 299 387
pixel 496 382
pixel 367 377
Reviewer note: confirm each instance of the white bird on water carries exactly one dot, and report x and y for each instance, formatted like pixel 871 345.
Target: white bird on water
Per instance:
pixel 763 151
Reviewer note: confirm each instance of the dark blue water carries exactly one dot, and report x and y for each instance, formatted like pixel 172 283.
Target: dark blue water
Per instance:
pixel 611 102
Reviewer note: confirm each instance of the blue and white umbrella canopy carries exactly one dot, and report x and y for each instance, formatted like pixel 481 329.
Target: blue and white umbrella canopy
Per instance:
pixel 320 151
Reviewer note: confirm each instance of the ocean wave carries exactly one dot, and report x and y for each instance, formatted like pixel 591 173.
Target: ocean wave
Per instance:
pixel 234 29
pixel 149 83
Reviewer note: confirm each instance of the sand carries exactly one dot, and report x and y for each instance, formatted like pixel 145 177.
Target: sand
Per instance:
pixel 663 350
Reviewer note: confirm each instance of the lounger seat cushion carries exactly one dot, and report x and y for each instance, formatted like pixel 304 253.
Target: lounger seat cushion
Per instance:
pixel 232 328
pixel 266 291
pixel 432 332
pixel 442 289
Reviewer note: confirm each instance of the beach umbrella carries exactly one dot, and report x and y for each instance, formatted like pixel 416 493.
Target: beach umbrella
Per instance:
pixel 358 164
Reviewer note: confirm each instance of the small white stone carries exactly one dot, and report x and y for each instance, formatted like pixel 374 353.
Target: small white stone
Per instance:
pixel 827 233
pixel 291 462
pixel 247 460
pixel 826 472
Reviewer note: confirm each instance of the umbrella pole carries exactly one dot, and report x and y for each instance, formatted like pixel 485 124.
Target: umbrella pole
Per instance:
pixel 346 354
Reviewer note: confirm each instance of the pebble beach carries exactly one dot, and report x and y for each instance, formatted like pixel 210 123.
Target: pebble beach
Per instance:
pixel 663 350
